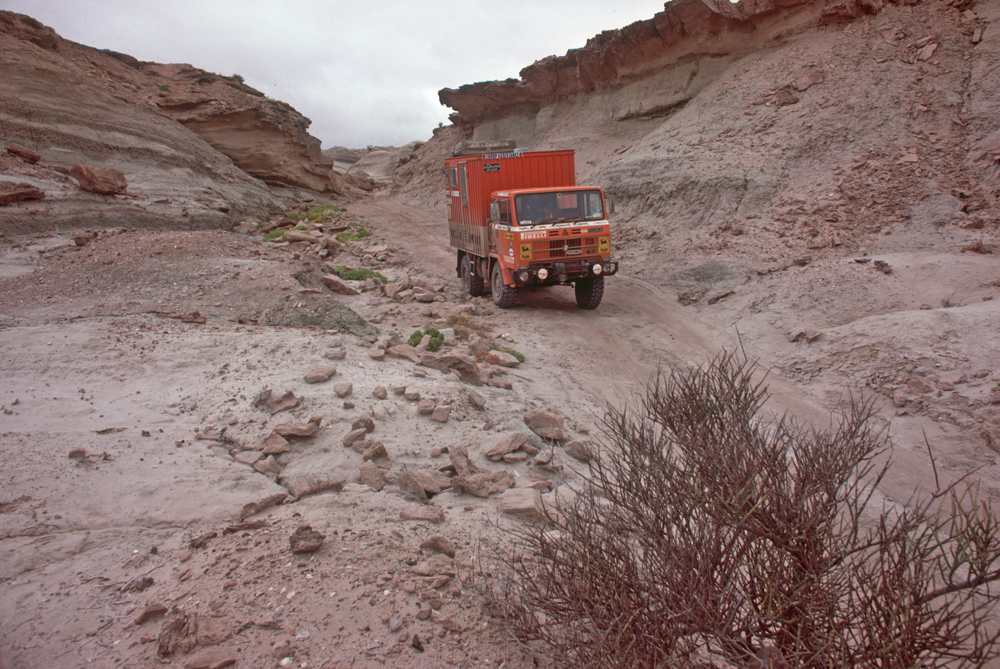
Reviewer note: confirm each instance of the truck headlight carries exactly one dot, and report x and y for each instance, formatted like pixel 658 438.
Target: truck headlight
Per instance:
pixel 543 274
pixel 598 269
pixel 524 277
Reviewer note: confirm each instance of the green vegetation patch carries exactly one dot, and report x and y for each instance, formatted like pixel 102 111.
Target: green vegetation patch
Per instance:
pixel 517 354
pixel 315 214
pixel 360 274
pixel 353 235
pixel 437 339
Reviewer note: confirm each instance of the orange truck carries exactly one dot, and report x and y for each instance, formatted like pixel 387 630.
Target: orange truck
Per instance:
pixel 518 220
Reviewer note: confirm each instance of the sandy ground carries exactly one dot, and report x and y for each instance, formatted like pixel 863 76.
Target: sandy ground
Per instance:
pixel 115 396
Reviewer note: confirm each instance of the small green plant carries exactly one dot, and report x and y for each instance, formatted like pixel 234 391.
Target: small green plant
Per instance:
pixel 458 319
pixel 517 354
pixel 274 234
pixel 164 87
pixel 360 274
pixel 237 77
pixel 354 235
pixel 437 339
pixel 314 214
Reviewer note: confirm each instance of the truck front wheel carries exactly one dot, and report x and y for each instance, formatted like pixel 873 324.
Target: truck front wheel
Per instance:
pixel 503 296
pixel 589 292
pixel 471 284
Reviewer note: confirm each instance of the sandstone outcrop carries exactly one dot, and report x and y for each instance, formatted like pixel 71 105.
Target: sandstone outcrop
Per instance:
pixel 70 104
pixel 686 31
pixel 265 138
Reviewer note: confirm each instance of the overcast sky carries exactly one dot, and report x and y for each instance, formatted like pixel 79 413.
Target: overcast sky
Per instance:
pixel 366 72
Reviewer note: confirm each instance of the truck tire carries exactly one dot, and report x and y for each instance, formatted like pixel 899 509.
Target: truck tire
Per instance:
pixel 589 292
pixel 503 296
pixel 471 284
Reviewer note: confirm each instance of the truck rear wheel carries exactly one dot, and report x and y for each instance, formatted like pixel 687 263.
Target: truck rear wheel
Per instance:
pixel 503 296
pixel 589 292
pixel 472 285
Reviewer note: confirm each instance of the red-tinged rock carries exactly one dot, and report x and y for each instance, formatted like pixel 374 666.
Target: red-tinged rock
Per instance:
pixel 464 365
pixel 320 374
pixel 579 450
pixel 441 414
pixel 439 544
pixel 275 444
pixel 11 193
pixel 102 180
pixel 338 285
pixel 483 485
pixel 282 403
pixel 211 658
pixel 546 423
pixel 24 153
pixel 507 443
pixel 306 540
pixel 297 429
pixel 149 612
pixel 371 476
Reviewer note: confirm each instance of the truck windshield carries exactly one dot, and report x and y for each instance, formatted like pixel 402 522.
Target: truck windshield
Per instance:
pixel 557 207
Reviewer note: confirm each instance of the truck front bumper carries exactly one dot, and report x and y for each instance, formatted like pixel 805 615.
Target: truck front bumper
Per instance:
pixel 563 272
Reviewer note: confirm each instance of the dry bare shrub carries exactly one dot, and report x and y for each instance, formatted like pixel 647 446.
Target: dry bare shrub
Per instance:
pixel 707 531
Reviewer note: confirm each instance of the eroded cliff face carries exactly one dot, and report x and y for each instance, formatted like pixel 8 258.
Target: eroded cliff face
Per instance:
pixel 195 147
pixel 71 104
pixel 770 133
pixel 266 138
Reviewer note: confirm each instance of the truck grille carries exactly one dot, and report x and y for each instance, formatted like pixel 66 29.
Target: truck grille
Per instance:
pixel 557 249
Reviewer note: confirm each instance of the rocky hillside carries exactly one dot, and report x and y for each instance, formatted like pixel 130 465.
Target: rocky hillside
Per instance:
pixel 771 133
pixel 191 145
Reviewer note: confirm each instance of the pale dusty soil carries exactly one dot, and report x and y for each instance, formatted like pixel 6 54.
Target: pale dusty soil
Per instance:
pixel 92 359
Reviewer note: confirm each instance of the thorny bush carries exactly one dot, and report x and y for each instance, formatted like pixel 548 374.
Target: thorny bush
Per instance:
pixel 707 534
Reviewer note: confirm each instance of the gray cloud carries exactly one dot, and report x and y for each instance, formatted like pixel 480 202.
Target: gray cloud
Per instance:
pixel 365 72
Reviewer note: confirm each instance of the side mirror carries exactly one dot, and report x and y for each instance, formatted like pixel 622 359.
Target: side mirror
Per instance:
pixel 611 203
pixel 494 211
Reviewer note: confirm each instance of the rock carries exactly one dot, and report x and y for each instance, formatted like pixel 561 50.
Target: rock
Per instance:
pixel 275 444
pixel 460 460
pixel 441 414
pixel 338 285
pixel 428 512
pixel 426 407
pixel 305 540
pixel 439 544
pixel 343 389
pixel 18 192
pixel 354 436
pixel 371 476
pixel 178 633
pixel 522 502
pixel 376 353
pixel 248 457
pixel 464 365
pixel 293 236
pixel 268 466
pixel 502 359
pixel 517 456
pixel 380 392
pixel 579 450
pixel 436 565
pixel 335 354
pixel 918 386
pixel 364 422
pixel 254 508
pixel 405 351
pixel 320 374
pixel 211 658
pixel 479 345
pixel 899 399
pixel 282 403
pixel 409 484
pixel 546 423
pixel 84 238
pixel 149 612
pixel 318 473
pixel 475 399
pixel 428 480
pixel 296 429
pixel 484 484
pixel 507 443
pixel 411 394
pixel 375 452
pixel 501 383
pixel 24 153
pixel 994 396
pixel 102 180
pixel 945 386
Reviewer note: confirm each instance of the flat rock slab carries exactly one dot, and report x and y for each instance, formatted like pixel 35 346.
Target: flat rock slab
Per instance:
pixel 297 429
pixel 522 502
pixel 320 374
pixel 318 473
pixel 428 513
pixel 546 422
